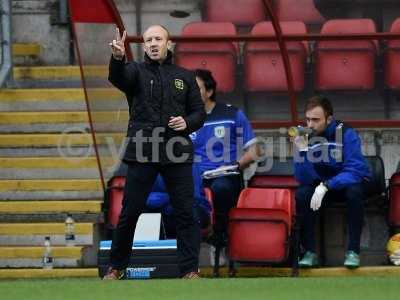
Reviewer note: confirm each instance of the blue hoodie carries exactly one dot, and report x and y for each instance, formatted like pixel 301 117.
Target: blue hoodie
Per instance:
pixel 333 158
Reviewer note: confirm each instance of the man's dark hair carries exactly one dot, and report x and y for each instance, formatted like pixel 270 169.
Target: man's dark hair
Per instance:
pixel 209 81
pixel 321 101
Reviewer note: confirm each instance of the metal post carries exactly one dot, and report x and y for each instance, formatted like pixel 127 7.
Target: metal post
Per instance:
pixel 6 66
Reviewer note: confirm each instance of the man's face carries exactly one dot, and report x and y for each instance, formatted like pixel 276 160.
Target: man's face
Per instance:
pixel 156 43
pixel 317 120
pixel 202 87
pixel 205 95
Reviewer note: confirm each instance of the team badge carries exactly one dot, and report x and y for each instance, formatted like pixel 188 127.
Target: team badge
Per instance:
pixel 179 84
pixel 219 131
pixel 193 136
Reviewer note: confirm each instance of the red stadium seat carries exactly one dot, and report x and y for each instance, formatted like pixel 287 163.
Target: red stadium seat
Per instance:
pixel 115 194
pixel 346 65
pixel 261 227
pixel 238 12
pixel 219 58
pixel 392 58
pixel 298 10
pixel 263 65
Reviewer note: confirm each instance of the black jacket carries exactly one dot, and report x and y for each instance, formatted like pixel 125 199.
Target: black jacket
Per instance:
pixel 155 93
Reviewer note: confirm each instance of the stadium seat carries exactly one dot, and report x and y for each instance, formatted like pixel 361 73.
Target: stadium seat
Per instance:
pixel 298 10
pixel 261 228
pixel 392 58
pixel 220 58
pixel 279 175
pixel 113 201
pixel 345 65
pixel 394 200
pixel 238 12
pixel 263 65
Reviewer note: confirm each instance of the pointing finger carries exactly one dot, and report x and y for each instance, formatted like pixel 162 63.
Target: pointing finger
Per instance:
pixel 117 34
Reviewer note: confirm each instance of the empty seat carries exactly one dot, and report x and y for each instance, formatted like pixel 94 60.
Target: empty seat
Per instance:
pixel 263 64
pixel 346 65
pixel 392 59
pixel 298 10
pixel 260 227
pixel 278 175
pixel 219 57
pixel 238 12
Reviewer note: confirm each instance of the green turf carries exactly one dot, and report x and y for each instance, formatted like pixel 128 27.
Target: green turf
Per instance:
pixel 364 288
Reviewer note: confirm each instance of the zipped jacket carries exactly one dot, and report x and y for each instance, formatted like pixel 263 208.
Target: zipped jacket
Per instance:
pixel 155 92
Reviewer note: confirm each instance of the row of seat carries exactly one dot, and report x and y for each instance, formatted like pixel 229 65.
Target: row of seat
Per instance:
pixel 250 12
pixel 338 65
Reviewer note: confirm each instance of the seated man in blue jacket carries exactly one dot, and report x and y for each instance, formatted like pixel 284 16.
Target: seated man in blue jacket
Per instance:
pixel 158 201
pixel 329 165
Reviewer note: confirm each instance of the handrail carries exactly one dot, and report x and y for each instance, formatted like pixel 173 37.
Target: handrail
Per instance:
pixel 6 63
pixel 270 38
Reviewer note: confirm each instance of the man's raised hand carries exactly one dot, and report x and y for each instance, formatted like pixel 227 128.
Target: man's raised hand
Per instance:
pixel 118 45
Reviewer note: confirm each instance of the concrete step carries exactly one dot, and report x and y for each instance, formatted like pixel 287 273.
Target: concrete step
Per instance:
pixel 61 99
pixel 52 273
pixel 50 207
pixel 50 189
pixel 58 140
pixel 61 121
pixel 33 234
pixel 28 257
pixel 26 53
pixel 42 210
pixel 25 49
pixel 53 167
pixel 50 185
pixel 59 72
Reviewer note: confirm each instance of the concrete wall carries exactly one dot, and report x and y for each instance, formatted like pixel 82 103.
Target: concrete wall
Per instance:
pixel 32 22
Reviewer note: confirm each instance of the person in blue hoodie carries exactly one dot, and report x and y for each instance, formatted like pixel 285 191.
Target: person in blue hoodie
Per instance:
pixel 159 201
pixel 329 165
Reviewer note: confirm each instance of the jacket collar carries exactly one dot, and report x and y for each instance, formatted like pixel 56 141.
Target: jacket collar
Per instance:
pixel 330 130
pixel 167 61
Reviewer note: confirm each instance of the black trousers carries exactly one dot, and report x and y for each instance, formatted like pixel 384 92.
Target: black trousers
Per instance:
pixel 226 190
pixel 139 182
pixel 353 196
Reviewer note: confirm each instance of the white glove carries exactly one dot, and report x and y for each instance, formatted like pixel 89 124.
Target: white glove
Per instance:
pixel 301 142
pixel 395 258
pixel 316 199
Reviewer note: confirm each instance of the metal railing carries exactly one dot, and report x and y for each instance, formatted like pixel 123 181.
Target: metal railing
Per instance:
pixel 6 53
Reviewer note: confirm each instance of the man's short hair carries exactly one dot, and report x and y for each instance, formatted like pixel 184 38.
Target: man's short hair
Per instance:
pixel 322 102
pixel 163 27
pixel 209 81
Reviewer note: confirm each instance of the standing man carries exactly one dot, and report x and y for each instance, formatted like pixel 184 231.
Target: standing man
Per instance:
pixel 221 141
pixel 330 166
pixel 165 107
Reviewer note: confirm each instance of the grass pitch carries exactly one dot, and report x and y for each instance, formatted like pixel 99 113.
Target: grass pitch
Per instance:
pixel 364 288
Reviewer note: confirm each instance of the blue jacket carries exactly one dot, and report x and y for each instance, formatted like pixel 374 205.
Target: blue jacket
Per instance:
pixel 334 158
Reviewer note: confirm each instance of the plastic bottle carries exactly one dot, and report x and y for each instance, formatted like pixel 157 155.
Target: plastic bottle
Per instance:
pixel 299 131
pixel 69 231
pixel 47 256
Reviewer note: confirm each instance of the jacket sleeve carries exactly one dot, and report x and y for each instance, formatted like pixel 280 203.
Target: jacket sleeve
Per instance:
pixel 304 171
pixel 195 112
pixel 122 75
pixel 355 168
